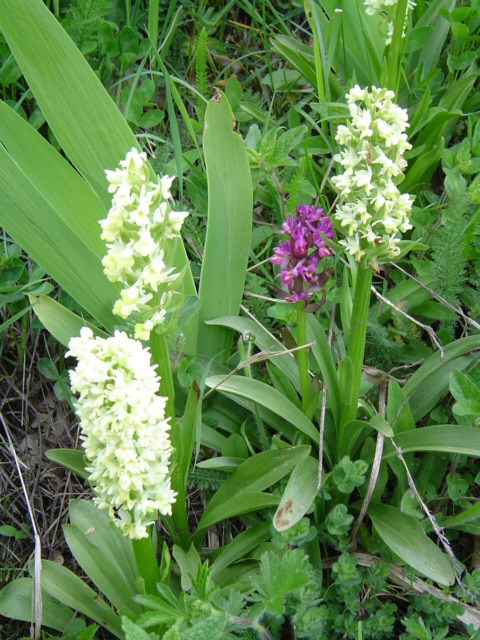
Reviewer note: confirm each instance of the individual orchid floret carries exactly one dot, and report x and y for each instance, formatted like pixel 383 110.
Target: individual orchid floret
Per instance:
pixel 300 255
pixel 123 429
pixel 388 9
pixel 139 230
pixel 372 211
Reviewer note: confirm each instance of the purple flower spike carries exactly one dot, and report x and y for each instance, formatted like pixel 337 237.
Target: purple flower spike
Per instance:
pixel 299 256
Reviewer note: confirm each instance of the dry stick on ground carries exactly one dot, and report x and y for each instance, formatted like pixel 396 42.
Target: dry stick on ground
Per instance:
pixel 37 560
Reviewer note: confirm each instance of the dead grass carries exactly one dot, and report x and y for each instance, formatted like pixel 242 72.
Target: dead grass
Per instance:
pixel 32 421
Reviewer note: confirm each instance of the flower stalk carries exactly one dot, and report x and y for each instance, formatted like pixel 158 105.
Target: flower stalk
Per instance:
pixel 301 356
pixel 161 357
pixel 147 563
pixel 356 339
pixel 300 258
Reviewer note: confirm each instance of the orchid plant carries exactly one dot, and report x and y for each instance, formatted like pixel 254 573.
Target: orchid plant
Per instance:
pixel 140 427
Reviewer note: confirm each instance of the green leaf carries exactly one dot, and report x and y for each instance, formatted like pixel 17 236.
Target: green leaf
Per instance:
pixel 298 496
pixel 379 423
pixel 44 231
pixel 265 341
pixel 183 436
pixel 445 438
pixel 240 492
pixel 350 435
pixel 323 355
pixel 221 463
pixel 133 631
pixel 63 585
pixel 227 243
pixel 105 555
pixel 469 515
pixel 93 134
pixel 62 323
pixel 188 562
pixel 467 408
pixel 69 93
pixel 266 396
pixel 241 545
pixel 283 384
pixel 281 576
pixel 406 537
pixel 16 603
pixel 430 381
pixel 462 387
pixel 430 54
pixel 398 410
pixel 70 459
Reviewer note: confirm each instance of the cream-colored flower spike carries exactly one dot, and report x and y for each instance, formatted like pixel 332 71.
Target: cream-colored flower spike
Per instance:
pixel 139 230
pixel 123 429
pixel 372 211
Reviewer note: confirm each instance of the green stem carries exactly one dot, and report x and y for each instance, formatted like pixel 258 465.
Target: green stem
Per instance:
pixel 161 357
pixel 301 356
pixel 356 342
pixel 395 49
pixel 147 563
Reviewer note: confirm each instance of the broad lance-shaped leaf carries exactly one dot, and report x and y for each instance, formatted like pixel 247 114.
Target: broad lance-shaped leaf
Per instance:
pixel 83 117
pixel 446 438
pixel 66 587
pixel 430 381
pixel 71 459
pixel 62 323
pixel 103 553
pixel 16 603
pixel 229 224
pixel 241 492
pixel 42 231
pixel 93 134
pixel 266 396
pixel 323 355
pixel 406 537
pixel 299 494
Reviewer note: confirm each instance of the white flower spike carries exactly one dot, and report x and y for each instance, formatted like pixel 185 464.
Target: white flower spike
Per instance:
pixel 139 230
pixel 372 211
pixel 123 429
